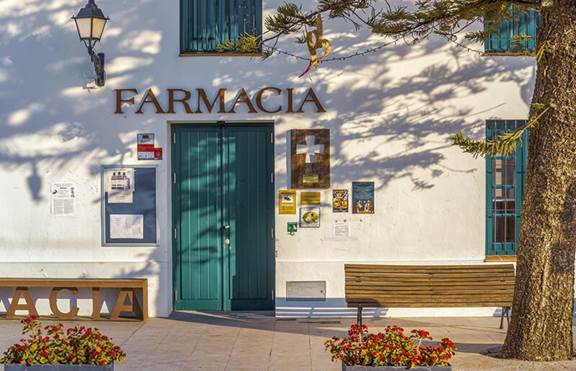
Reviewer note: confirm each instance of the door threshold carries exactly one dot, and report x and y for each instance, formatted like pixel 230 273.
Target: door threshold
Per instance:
pixel 227 314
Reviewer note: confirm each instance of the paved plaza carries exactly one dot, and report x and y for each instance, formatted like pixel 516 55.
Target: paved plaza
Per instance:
pixel 248 341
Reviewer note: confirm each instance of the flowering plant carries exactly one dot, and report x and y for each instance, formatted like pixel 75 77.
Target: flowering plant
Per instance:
pixel 53 344
pixel 389 348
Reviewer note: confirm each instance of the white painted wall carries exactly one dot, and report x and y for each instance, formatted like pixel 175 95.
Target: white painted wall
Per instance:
pixel 391 115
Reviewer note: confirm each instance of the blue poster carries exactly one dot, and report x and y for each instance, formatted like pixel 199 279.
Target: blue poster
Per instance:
pixel 362 197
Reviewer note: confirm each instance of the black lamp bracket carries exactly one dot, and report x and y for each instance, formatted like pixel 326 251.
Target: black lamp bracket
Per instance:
pixel 98 61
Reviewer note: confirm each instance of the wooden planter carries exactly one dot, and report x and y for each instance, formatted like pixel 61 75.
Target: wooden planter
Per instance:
pixel 59 368
pixel 393 368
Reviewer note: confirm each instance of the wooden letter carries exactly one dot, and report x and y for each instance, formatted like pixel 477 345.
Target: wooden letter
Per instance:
pixel 220 97
pixel 290 108
pixel 54 303
pixel 311 97
pixel 120 100
pixel 21 293
pixel 260 104
pixel 122 307
pixel 184 100
pixel 243 98
pixel 150 97
pixel 96 303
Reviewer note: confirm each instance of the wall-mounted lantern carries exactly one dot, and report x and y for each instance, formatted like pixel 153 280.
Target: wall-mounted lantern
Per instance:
pixel 90 22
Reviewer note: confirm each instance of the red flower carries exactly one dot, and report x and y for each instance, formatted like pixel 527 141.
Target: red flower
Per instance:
pixel 389 348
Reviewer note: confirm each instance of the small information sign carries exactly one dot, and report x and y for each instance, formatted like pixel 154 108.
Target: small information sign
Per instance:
pixel 287 201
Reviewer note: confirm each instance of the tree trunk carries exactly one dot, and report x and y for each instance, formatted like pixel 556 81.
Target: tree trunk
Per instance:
pixel 541 327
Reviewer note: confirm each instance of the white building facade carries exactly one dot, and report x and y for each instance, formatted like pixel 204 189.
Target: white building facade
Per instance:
pixel 203 222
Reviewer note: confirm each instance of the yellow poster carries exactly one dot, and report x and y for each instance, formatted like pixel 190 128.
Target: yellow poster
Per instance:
pixel 310 198
pixel 287 201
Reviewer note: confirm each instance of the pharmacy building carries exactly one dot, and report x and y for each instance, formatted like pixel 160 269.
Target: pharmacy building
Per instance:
pixel 149 164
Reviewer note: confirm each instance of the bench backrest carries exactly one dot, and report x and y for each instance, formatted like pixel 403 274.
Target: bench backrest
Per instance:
pixel 420 286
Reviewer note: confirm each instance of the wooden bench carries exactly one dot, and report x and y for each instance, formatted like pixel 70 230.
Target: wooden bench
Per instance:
pixel 422 286
pixel 128 288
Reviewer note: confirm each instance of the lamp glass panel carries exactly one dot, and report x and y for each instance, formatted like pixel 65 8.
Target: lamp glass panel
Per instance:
pixel 98 29
pixel 83 25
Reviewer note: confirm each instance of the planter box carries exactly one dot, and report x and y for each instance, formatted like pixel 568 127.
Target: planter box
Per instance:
pixel 59 368
pixel 392 368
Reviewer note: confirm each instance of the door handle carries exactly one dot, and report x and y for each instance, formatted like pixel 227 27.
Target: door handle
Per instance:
pixel 226 227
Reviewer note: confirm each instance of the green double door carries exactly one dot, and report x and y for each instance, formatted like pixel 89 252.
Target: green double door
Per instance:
pixel 223 217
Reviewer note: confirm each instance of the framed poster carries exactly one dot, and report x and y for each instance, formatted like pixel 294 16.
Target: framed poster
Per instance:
pixel 287 201
pixel 363 197
pixel 310 217
pixel 129 205
pixel 339 200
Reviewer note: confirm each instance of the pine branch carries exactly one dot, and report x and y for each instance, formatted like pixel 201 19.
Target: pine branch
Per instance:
pixel 505 144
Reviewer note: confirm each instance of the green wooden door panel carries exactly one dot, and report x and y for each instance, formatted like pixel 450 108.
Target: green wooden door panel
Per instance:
pixel 223 192
pixel 249 205
pixel 198 216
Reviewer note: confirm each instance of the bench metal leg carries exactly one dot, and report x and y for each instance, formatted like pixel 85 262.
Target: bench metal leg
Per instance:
pixel 505 312
pixel 359 316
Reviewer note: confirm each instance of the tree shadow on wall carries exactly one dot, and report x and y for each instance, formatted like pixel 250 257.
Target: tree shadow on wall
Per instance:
pixel 403 103
pixel 364 97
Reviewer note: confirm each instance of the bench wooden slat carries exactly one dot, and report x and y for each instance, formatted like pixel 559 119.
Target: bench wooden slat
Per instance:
pixel 402 286
pixel 490 275
pixel 432 304
pixel 427 268
pixel 417 293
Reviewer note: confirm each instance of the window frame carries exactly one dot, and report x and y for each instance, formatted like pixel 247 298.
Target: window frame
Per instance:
pixel 184 52
pixel 505 249
pixel 528 20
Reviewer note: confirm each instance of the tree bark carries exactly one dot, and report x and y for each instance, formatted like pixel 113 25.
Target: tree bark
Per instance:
pixel 541 326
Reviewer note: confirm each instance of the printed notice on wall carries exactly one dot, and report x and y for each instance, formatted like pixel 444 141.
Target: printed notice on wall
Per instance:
pixel 124 226
pixel 341 229
pixel 62 199
pixel 119 185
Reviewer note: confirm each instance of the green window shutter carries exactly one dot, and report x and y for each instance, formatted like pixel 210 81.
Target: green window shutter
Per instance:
pixel 205 24
pixel 505 178
pixel 515 34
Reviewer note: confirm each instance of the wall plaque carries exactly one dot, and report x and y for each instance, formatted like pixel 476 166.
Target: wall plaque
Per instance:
pixel 310 198
pixel 310 158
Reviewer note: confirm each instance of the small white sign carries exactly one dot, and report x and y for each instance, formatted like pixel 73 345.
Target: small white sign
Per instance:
pixel 62 199
pixel 341 229
pixel 124 226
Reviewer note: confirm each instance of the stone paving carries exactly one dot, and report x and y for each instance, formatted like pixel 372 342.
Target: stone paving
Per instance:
pixel 249 341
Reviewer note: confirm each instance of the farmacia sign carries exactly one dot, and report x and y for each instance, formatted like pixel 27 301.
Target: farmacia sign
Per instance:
pixel 266 100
